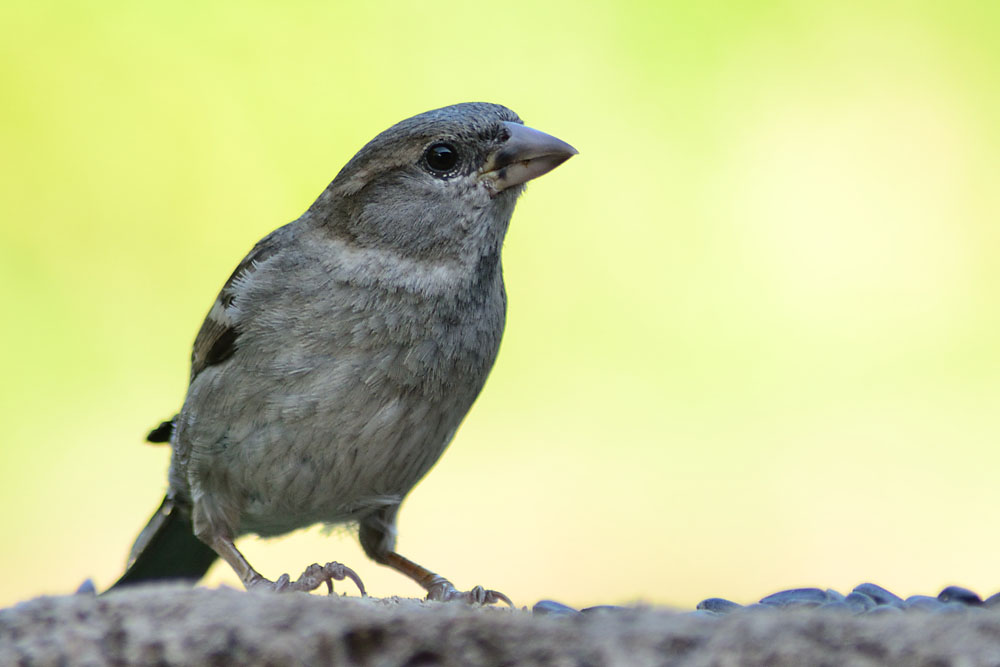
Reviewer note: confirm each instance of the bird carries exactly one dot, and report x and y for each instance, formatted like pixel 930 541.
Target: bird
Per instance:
pixel 341 355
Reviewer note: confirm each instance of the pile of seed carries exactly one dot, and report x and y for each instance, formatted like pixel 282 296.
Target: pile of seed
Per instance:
pixel 865 599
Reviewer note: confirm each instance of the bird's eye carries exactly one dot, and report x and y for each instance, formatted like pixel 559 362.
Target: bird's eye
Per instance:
pixel 441 157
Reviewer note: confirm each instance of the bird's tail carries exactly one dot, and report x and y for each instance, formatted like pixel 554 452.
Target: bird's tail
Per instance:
pixel 167 549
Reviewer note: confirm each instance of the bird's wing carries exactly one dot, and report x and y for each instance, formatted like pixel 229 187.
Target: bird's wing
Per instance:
pixel 217 340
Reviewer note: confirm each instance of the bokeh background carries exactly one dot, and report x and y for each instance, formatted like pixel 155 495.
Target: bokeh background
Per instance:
pixel 753 331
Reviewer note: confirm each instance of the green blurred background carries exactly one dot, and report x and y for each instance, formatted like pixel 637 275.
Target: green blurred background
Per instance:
pixel 753 331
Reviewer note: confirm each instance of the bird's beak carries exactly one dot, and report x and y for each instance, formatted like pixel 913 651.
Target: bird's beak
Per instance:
pixel 526 154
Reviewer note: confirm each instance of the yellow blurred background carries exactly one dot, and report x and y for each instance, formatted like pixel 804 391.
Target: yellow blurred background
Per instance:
pixel 754 330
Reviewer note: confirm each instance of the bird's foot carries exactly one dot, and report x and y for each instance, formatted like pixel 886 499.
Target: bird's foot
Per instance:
pixel 443 590
pixel 314 576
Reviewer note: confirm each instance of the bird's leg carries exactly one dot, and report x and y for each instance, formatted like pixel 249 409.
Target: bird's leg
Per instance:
pixel 229 553
pixel 437 587
pixel 312 578
pixel 378 538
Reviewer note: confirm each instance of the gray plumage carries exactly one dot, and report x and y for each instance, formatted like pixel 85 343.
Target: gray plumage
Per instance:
pixel 344 351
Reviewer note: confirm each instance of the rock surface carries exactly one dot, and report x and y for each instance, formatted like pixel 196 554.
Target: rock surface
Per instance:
pixel 175 625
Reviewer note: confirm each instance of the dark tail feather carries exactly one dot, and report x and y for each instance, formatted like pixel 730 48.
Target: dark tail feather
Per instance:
pixel 167 549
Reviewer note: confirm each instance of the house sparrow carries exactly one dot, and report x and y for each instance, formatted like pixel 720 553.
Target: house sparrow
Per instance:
pixel 344 351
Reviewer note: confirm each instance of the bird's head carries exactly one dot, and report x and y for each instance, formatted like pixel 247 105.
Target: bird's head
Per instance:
pixel 441 184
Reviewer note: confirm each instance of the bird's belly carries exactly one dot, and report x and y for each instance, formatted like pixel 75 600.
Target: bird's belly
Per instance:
pixel 291 470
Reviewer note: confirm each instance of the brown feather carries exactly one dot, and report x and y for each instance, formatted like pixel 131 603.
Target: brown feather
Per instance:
pixel 217 339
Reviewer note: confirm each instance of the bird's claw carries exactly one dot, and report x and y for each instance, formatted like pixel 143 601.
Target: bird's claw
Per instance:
pixel 312 578
pixel 445 591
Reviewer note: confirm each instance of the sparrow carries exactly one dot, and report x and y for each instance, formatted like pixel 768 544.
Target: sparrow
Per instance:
pixel 342 354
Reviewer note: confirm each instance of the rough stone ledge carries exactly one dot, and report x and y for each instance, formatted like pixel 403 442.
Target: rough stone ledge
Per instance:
pixel 161 625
